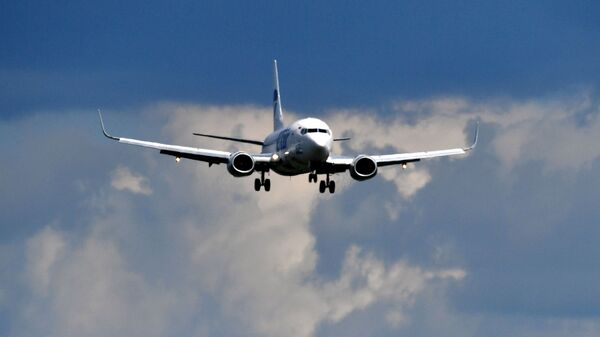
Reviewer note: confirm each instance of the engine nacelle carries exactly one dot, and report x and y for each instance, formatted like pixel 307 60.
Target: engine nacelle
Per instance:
pixel 240 164
pixel 363 168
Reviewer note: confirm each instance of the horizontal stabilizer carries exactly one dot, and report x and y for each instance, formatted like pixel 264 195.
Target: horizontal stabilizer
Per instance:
pixel 241 140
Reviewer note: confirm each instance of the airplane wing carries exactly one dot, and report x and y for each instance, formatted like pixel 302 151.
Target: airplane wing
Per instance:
pixel 206 155
pixel 336 164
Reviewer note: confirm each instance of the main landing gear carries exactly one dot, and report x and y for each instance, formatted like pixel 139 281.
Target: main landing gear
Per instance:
pixel 262 182
pixel 324 185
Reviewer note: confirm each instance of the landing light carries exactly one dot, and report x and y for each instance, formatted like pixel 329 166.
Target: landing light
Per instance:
pixel 403 166
pixel 275 157
pixel 178 159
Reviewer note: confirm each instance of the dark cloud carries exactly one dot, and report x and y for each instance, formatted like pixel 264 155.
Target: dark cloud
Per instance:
pixel 355 54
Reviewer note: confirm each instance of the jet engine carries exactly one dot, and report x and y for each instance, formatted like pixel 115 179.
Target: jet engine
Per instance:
pixel 240 164
pixel 363 168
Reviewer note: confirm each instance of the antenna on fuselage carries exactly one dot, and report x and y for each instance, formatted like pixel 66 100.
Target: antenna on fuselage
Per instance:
pixel 277 109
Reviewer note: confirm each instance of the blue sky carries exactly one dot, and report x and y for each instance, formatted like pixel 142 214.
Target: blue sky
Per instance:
pixel 336 53
pixel 100 239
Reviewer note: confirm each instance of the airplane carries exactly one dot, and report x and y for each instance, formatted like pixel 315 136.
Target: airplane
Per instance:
pixel 299 148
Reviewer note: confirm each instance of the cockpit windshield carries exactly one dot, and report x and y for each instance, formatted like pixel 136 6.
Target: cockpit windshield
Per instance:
pixel 314 130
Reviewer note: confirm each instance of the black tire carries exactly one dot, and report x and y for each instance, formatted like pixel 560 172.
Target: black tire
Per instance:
pixel 332 187
pixel 322 186
pixel 257 184
pixel 267 185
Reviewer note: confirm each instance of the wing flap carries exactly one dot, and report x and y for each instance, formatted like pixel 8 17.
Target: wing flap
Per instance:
pixel 199 157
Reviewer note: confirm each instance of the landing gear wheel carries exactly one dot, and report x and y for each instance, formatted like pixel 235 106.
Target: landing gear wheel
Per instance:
pixel 332 187
pixel 312 177
pixel 258 182
pixel 322 186
pixel 257 185
pixel 325 184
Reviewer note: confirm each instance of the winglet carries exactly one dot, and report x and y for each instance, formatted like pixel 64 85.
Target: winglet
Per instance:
pixel 103 129
pixel 474 139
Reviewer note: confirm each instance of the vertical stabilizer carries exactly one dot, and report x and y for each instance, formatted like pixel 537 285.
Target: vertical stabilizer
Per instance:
pixel 277 110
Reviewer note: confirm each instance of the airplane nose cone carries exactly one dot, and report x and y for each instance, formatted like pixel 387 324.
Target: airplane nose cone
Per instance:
pixel 319 149
pixel 321 153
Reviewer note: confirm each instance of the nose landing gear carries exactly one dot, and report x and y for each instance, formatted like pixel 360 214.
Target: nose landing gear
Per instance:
pixel 262 182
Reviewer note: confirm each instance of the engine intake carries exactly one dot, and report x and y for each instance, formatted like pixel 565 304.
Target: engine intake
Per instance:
pixel 240 164
pixel 363 168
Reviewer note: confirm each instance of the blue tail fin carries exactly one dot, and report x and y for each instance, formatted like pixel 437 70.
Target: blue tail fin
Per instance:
pixel 277 109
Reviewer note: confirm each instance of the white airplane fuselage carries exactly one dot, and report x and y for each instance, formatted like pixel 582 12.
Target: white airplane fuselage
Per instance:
pixel 298 147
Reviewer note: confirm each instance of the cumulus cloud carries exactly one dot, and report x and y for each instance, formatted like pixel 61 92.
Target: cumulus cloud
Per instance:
pixel 372 134
pixel 248 258
pixel 89 290
pixel 261 255
pixel 409 182
pixel 560 132
pixel 251 259
pixel 43 251
pixel 365 280
pixel 123 179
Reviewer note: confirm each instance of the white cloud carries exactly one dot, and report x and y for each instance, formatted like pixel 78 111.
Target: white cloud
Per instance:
pixel 263 263
pixel 365 280
pixel 252 254
pixel 43 251
pixel 376 135
pixel 249 259
pixel 88 290
pixel 407 182
pixel 123 179
pixel 97 294
pixel 559 132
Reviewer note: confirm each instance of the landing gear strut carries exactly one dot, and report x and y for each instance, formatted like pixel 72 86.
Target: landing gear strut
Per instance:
pixel 262 182
pixel 326 184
